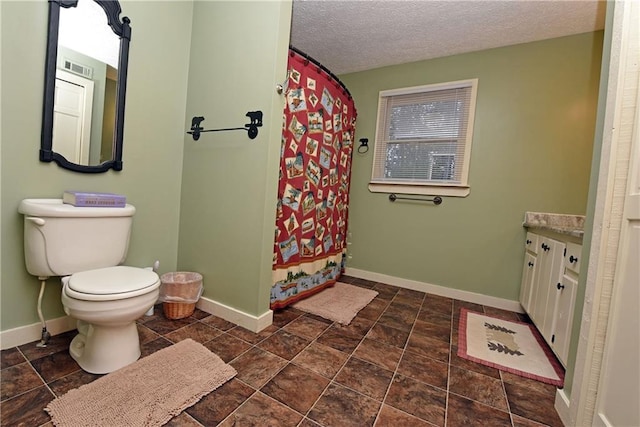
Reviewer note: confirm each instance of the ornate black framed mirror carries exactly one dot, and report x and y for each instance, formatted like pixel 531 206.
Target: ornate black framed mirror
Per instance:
pixel 85 85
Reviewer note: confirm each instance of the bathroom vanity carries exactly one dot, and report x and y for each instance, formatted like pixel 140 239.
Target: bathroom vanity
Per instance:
pixel 550 271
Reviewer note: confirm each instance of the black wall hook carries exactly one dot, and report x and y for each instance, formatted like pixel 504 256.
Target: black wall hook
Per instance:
pixel 364 145
pixel 255 121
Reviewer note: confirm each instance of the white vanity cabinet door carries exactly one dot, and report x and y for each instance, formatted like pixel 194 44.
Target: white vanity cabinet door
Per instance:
pixel 529 271
pixel 528 279
pixel 572 257
pixel 561 337
pixel 549 273
pixel 531 244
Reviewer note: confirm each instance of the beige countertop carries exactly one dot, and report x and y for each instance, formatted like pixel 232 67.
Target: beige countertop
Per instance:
pixel 572 225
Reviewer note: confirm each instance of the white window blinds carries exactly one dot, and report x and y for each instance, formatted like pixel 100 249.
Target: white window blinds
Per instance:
pixel 423 135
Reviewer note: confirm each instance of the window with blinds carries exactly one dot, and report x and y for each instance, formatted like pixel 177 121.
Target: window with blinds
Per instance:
pixel 423 139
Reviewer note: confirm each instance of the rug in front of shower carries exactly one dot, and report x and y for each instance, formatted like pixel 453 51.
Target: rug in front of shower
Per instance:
pixel 149 392
pixel 340 303
pixel 509 346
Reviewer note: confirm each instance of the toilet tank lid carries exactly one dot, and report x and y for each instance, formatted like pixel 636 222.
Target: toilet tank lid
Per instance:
pixel 113 280
pixel 56 208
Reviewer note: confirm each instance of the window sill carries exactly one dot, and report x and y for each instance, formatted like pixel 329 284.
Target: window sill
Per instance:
pixel 425 190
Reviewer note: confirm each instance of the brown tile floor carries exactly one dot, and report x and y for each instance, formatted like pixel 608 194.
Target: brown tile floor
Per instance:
pixel 394 365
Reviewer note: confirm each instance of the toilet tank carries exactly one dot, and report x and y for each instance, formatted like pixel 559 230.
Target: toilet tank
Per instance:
pixel 62 239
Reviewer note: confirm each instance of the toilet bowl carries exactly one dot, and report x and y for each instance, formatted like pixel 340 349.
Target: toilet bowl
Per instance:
pixel 86 247
pixel 106 302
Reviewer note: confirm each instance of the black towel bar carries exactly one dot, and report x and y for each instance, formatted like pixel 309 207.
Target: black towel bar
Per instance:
pixel 436 200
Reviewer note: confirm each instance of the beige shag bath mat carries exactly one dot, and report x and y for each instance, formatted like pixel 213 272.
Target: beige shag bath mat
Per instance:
pixel 339 303
pixel 148 392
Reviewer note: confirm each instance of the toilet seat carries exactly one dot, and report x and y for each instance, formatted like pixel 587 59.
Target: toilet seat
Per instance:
pixel 111 283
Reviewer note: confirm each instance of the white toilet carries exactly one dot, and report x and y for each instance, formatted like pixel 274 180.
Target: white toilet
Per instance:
pixel 85 245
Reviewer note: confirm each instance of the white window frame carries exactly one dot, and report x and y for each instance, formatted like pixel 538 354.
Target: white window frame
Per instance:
pixel 461 188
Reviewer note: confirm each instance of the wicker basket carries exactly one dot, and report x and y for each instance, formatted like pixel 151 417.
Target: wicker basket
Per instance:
pixel 179 293
pixel 178 310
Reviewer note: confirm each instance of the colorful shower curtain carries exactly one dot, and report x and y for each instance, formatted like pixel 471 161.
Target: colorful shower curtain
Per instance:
pixel 313 192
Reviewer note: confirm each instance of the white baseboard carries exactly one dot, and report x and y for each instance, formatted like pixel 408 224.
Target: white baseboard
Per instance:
pixel 473 297
pixel 248 321
pixel 562 407
pixel 26 334
pixel 30 333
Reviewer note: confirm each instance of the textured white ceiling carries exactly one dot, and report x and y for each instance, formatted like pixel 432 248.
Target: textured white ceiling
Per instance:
pixel 355 35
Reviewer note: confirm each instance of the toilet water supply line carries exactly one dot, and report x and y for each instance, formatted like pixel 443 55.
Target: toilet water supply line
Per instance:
pixel 46 336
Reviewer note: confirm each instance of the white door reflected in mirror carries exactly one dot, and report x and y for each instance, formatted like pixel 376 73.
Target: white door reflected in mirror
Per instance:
pixel 72 116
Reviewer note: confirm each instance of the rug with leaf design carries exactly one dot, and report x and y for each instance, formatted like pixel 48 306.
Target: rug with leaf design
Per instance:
pixel 515 347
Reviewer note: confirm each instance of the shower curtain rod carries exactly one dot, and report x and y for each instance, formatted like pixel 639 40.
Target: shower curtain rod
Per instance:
pixel 322 67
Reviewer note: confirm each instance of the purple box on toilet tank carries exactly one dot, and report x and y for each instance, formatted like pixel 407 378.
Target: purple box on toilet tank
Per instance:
pixel 90 199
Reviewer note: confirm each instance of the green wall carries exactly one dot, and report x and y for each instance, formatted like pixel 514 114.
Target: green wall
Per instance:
pixel 532 146
pixel 229 183
pixel 153 142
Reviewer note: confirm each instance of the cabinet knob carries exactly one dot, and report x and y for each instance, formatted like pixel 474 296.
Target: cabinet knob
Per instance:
pixel 572 259
pixel 530 264
pixel 528 242
pixel 545 247
pixel 560 286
